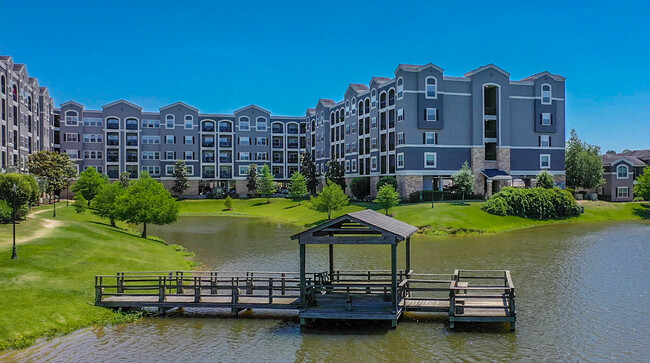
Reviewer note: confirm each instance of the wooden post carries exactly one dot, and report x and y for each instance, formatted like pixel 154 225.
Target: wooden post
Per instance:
pixel 120 282
pixel 213 283
pixel 161 288
pixel 179 282
pixel 98 288
pixel 331 250
pixel 408 258
pixel 197 289
pixel 393 268
pixel 303 283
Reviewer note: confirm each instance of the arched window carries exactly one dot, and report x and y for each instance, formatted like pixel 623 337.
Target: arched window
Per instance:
pixel 169 121
pixel 391 97
pixel 360 108
pixel 225 126
pixel 431 88
pixel 546 94
pixel 260 124
pixel 367 106
pixel 3 84
pixel 277 127
pixel 244 123
pixel 131 124
pixel 207 126
pixel 354 105
pixel 373 98
pixel 189 122
pixel 29 103
pixel 622 172
pixel 332 119
pixel 14 92
pixel 313 125
pixel 382 100
pixel 400 88
pixel 338 116
pixel 347 106
pixel 71 118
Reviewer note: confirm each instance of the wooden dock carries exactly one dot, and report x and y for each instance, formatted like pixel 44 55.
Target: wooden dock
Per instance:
pixel 464 296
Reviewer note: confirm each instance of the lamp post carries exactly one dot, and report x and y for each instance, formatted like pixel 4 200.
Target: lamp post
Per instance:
pixel 14 189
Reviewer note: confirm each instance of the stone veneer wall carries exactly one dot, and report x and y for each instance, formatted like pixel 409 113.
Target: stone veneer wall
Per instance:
pixel 407 184
pixel 503 159
pixel 373 186
pixel 478 164
pixel 192 190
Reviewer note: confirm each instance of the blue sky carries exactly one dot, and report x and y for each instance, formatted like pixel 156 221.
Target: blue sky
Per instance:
pixel 284 56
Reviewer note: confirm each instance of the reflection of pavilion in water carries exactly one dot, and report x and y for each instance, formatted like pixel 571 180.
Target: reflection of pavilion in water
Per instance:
pixel 465 296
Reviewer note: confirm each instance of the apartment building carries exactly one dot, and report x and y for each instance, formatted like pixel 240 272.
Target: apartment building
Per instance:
pixel 26 121
pixel 217 148
pixel 620 173
pixel 422 125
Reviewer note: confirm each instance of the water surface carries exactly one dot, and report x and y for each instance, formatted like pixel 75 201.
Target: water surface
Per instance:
pixel 582 293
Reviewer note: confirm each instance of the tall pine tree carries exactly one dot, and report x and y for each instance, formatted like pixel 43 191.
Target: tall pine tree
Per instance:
pixel 308 169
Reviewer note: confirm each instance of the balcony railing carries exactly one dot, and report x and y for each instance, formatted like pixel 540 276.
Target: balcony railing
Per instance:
pixel 207 175
pixel 208 128
pixel 113 174
pixel 112 142
pixel 131 159
pixel 113 159
pixel 225 128
pixel 208 159
pixel 225 144
pixel 292 145
pixel 292 161
pixel 225 175
pixel 277 145
pixel 207 144
pixel 223 159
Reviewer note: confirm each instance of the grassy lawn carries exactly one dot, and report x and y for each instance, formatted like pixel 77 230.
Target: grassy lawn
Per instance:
pixel 445 218
pixel 49 289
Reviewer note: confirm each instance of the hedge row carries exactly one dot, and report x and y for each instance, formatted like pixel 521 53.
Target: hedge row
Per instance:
pixel 537 203
pixel 436 195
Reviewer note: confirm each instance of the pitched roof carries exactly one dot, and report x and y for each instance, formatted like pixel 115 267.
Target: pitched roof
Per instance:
pixel 122 101
pixel 556 77
pixel 358 87
pixel 612 159
pixel 640 154
pixel 374 221
pixel 252 106
pixel 487 66
pixel 180 103
pixel 327 102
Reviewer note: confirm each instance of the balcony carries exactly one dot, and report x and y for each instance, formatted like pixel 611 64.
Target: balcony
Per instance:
pixel 207 174
pixel 208 127
pixel 292 160
pixel 131 142
pixel 113 174
pixel 292 145
pixel 112 142
pixel 207 143
pixel 225 143
pixel 208 159
pixel 277 145
pixel 292 130
pixel 225 128
pixel 225 159
pixel 132 159
pixel 225 175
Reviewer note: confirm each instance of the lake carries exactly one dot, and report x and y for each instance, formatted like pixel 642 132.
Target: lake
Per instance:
pixel 582 294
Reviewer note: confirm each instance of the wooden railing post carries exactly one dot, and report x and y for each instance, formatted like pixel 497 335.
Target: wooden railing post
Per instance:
pixel 179 282
pixel 161 288
pixel 98 288
pixel 197 289
pixel 120 282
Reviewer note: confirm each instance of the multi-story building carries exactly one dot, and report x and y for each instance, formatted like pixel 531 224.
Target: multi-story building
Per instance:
pixel 620 173
pixel 217 148
pixel 26 115
pixel 422 125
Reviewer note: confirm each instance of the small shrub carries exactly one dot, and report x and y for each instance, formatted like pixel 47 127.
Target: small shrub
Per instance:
pixel 387 180
pixel 228 203
pixel 638 199
pixel 80 203
pixel 544 180
pixel 415 197
pixel 360 187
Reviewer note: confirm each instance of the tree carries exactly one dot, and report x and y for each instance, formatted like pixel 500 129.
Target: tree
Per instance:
pixel 545 180
pixel 387 197
pixel 298 186
pixel 251 179
pixel 80 203
pixel 180 178
pixel 146 201
pixel 610 152
pixel 584 167
pixel 308 169
pixel 336 173
pixel 266 183
pixel 330 199
pixel 106 201
pixel 360 187
pixel 89 183
pixel 642 186
pixel 125 179
pixel 25 194
pixel 54 167
pixel 228 203
pixel 387 180
pixel 464 180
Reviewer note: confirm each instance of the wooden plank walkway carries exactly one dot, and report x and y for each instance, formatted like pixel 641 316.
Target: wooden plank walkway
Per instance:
pixel 465 296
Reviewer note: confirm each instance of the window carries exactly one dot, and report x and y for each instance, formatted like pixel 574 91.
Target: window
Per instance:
pixel 93 121
pixel 131 124
pixel 545 140
pixel 93 138
pixel 3 84
pixel 382 100
pixel 262 141
pixel 170 155
pixel 400 160
pixel 360 108
pixel 431 114
pixel 244 123
pixel 622 192
pixel 353 128
pixel 373 163
pixel 546 118
pixel 430 138
pixel 244 156
pixel 170 139
pixel 354 106
pixel 431 90
pixel 373 98
pixel 169 169
pixel 354 147
pixel 622 172
pixel 189 140
pixel 169 121
pixel 243 170
pixel 148 139
pixel 400 138
pixel 545 161
pixel 347 107
pixel 113 124
pixel 546 94
pixel 91 154
pixel 400 115
pixel 400 88
pixel 261 156
pixel 189 155
pixel 152 170
pixel 71 118
pixel 244 140
pixel 391 97
pixel 373 143
pixel 190 169
pixel 354 165
pixel 189 122
pixel 347 166
pixel 151 124
pixel 261 124
pixel 150 155
pixel 72 137
pixel 430 160
pixel 73 154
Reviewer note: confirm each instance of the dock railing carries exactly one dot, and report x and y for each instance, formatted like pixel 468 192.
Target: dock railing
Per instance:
pixel 482 293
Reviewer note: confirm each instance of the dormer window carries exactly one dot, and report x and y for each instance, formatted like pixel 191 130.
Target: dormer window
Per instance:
pixel 546 94
pixel 622 172
pixel 244 123
pixel 431 88
pixel 400 88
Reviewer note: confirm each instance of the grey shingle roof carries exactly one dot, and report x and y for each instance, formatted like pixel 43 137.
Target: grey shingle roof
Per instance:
pixel 610 159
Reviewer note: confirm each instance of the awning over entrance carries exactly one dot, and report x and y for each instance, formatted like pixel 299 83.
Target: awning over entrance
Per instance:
pixel 496 174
